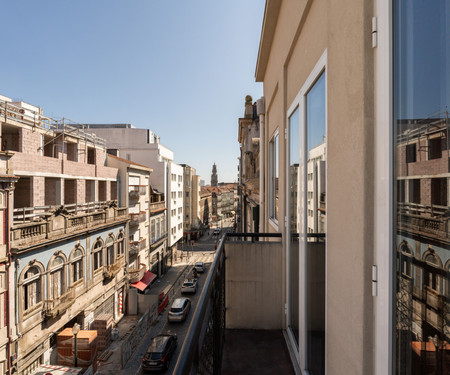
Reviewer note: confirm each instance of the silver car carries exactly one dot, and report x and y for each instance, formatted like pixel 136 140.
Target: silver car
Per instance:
pixel 179 310
pixel 189 286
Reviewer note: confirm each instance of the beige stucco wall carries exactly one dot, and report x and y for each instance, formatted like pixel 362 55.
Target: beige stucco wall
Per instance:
pixel 253 276
pixel 305 29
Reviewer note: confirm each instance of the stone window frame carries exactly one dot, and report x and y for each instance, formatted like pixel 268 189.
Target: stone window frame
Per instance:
pixel 72 261
pixel 97 249
pixel 435 277
pixel 406 259
pixel 25 312
pixel 107 246
pixel 52 269
pixel 120 240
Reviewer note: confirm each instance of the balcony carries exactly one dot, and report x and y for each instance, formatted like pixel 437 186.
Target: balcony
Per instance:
pixel 59 305
pixel 136 218
pixel 136 275
pixel 425 220
pixel 227 334
pixel 137 190
pixel 136 246
pixel 40 224
pixel 155 239
pixel 157 207
pixel 112 270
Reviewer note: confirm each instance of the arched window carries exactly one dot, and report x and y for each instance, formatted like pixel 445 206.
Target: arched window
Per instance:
pixel 32 287
pixel 110 259
pixel 120 244
pixel 406 257
pixel 431 277
pixel 76 264
pixel 97 254
pixel 56 277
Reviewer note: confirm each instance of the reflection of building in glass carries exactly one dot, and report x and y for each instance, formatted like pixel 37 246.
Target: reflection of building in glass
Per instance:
pixel 293 202
pixel 316 189
pixel 423 259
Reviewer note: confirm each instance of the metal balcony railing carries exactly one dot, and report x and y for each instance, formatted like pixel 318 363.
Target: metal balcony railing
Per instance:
pixel 59 305
pixel 136 190
pixel 202 349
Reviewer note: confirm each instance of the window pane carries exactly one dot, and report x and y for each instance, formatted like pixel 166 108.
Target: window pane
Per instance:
pixel 421 152
pixel 316 224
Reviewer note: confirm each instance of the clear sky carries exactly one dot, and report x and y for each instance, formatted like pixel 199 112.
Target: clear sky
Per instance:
pixel 181 68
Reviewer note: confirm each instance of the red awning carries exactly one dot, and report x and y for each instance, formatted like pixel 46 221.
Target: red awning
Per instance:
pixel 145 281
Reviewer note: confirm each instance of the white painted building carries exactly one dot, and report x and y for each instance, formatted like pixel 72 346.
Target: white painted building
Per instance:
pixel 143 146
pixel 316 188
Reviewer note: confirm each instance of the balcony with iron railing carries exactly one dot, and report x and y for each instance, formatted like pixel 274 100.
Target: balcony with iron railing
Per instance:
pixel 136 190
pixel 155 239
pixel 57 306
pixel 137 217
pixel 111 270
pixel 136 246
pixel 237 326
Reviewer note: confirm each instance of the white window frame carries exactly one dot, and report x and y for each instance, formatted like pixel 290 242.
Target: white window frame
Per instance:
pixel 383 189
pixel 300 103
pixel 274 153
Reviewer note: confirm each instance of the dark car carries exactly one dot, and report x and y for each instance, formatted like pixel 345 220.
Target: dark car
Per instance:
pixel 159 352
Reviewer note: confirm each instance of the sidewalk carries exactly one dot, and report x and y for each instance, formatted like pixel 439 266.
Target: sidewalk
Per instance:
pixel 110 359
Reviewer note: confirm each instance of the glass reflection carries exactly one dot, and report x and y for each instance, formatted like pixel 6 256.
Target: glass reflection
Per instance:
pixel 293 162
pixel 421 239
pixel 316 226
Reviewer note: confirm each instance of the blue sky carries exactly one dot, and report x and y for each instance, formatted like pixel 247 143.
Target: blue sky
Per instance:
pixel 180 68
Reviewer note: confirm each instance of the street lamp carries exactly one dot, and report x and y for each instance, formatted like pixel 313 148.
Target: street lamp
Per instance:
pixel 75 330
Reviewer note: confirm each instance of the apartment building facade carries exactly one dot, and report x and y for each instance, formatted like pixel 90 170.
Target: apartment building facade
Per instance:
pixel 193 227
pixel 158 230
pixel 135 193
pixel 356 181
pixel 144 147
pixel 67 243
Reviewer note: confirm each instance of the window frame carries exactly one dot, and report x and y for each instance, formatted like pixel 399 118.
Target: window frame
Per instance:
pixel 73 261
pixel 299 103
pixel 274 159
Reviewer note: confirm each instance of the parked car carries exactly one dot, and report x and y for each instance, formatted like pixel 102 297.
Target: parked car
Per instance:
pixel 199 266
pixel 159 352
pixel 189 286
pixel 180 309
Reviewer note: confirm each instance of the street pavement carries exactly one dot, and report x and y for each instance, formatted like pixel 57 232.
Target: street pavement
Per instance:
pixel 202 250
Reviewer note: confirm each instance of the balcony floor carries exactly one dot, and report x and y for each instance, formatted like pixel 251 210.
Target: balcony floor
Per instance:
pixel 258 352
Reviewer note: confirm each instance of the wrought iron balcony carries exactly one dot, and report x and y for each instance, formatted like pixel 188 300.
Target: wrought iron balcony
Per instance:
pixel 136 190
pixel 112 270
pixel 57 306
pixel 136 246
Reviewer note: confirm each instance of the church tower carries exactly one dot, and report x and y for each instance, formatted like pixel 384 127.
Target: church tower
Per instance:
pixel 214 176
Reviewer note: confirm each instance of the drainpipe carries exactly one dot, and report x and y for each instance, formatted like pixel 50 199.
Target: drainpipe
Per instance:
pixel 8 250
pixel 261 110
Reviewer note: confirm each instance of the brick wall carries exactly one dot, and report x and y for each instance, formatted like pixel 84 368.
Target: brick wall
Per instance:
pixel 425 191
pixel 38 191
pixel 30 141
pixel 80 186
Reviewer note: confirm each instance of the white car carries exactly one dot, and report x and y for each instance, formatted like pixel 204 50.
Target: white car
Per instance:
pixel 179 310
pixel 199 266
pixel 189 286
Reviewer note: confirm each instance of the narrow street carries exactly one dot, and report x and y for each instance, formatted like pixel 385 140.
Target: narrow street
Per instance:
pixel 203 251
